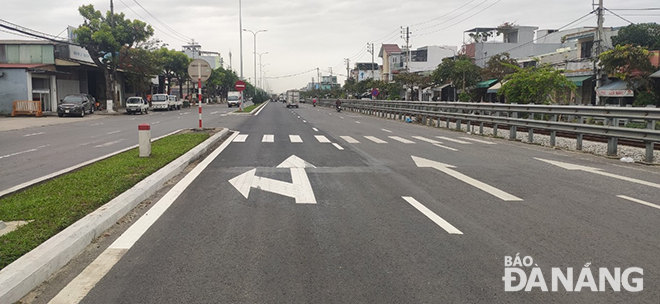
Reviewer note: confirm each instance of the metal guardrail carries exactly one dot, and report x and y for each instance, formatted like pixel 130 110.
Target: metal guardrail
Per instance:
pixel 553 118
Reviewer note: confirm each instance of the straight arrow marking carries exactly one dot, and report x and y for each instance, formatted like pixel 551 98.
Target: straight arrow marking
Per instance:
pixel 568 166
pixel 447 169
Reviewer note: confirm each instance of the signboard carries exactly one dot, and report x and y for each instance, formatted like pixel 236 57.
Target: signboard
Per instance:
pixel 374 92
pixel 240 85
pixel 198 66
pixel 615 93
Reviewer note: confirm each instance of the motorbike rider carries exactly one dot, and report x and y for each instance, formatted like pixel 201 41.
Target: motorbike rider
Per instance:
pixel 338 104
pixel 314 101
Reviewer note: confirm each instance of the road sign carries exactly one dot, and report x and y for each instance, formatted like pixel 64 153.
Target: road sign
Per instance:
pixel 240 85
pixel 374 92
pixel 199 68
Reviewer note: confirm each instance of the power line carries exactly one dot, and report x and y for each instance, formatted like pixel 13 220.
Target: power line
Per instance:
pixel 30 32
pixel 17 34
pixel 461 14
pixel 437 18
pixel 292 75
pixel 477 13
pixel 624 19
pixel 162 23
pixel 173 37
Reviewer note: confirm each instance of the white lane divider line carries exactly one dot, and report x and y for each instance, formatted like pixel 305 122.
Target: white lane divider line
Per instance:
pixel 454 140
pixel 304 121
pixel 108 144
pixel 432 216
pixel 338 146
pixel 428 140
pixel 322 139
pixel 342 117
pixel 315 129
pixel 23 152
pixel 77 289
pixel 403 140
pixel 213 113
pixel 479 141
pixel 375 139
pixel 113 132
pixel 350 140
pixel 386 130
pixel 241 138
pixel 33 134
pixel 638 201
pixel 357 122
pixel 96 124
pixel 268 138
pixel 445 147
pixel 295 138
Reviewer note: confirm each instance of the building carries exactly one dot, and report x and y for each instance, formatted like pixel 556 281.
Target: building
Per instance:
pixel 366 70
pixel 391 55
pixel 194 51
pixel 426 59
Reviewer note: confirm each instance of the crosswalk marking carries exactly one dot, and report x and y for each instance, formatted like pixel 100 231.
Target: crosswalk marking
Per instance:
pixel 240 138
pixel 479 141
pixel 338 146
pixel 386 130
pixel 375 139
pixel 295 138
pixel 454 140
pixel 428 140
pixel 268 138
pixel 322 139
pixel 349 139
pixel 445 147
pixel 403 140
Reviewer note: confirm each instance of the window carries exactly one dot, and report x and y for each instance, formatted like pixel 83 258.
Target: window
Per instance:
pixel 586 49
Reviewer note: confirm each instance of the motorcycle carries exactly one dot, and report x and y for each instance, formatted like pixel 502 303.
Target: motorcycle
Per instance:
pixel 314 103
pixel 338 108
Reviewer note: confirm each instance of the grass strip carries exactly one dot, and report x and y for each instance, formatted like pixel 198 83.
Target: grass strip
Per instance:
pixel 248 109
pixel 56 204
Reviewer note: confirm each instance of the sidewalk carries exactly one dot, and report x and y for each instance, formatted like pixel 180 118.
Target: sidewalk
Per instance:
pixel 24 122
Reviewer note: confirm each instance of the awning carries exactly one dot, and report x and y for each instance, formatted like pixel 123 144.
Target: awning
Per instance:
pixel 578 80
pixel 439 88
pixel 494 88
pixel 617 88
pixel 486 84
pixel 656 74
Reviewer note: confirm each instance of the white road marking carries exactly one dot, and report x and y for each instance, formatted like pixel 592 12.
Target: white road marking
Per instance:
pixel 479 141
pixel 338 146
pixel 597 171
pixel 375 139
pixel 454 140
pixel 350 140
pixel 213 113
pixel 113 132
pixel 98 124
pixel 223 115
pixel 108 143
pixel 322 139
pixel 432 216
pixel 298 116
pixel 268 138
pixel 33 134
pixel 134 118
pixel 77 289
pixel 403 140
pixel 357 122
pixel 342 117
pixel 388 131
pixel 304 121
pixel 157 122
pixel 241 138
pixel 445 147
pixel 639 201
pixel 428 140
pixel 23 152
pixel 295 138
pixel 315 129
pixel 447 169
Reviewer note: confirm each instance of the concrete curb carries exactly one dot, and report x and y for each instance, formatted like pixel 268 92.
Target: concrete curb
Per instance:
pixel 26 273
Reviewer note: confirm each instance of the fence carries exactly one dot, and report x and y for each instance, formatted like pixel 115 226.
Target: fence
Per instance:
pixel 26 107
pixel 579 120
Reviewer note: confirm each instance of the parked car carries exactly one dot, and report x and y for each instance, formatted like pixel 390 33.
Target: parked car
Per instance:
pixel 76 104
pixel 161 102
pixel 177 102
pixel 137 105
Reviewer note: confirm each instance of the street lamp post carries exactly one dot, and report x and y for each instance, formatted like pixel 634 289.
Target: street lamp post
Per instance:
pixel 260 66
pixel 255 56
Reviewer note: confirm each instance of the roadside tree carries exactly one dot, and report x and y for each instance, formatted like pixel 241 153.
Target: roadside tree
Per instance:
pixel 644 34
pixel 535 85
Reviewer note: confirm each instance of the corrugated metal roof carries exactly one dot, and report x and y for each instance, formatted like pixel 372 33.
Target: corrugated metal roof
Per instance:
pixel 656 74
pixel 20 65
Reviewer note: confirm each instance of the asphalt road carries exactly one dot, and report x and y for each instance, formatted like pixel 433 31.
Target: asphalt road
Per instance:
pixel 29 153
pixel 400 213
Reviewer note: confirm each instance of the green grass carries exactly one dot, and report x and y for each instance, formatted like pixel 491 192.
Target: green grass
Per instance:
pixel 60 202
pixel 248 109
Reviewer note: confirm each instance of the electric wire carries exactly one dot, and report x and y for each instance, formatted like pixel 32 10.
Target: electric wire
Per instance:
pixel 461 14
pixel 624 19
pixel 144 19
pixel 291 75
pixel 442 29
pixel 162 23
pixel 440 17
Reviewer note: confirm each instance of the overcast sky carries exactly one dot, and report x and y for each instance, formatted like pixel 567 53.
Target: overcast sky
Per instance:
pixel 303 35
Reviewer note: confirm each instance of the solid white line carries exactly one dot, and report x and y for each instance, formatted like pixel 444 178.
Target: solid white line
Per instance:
pixel 77 289
pixel 322 139
pixel 432 216
pixel 403 140
pixel 338 146
pixel 375 139
pixel 33 134
pixel 295 138
pixel 113 132
pixel 639 201
pixel 268 138
pixel 241 138
pixel 349 139
pixel 479 141
pixel 432 141
pixel 255 114
pixel 454 140
pixel 315 129
pixel 109 143
pixel 388 131
pixel 445 147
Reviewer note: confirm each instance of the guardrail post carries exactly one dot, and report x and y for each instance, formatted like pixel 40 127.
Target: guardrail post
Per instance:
pixel 512 133
pixel 612 146
pixel 553 138
pixel 495 130
pixel 447 122
pixel 481 128
pixel 649 152
pixel 530 135
pixel 650 124
pixel 578 144
pixel 458 124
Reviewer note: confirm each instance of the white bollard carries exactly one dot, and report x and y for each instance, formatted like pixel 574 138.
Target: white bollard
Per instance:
pixel 144 139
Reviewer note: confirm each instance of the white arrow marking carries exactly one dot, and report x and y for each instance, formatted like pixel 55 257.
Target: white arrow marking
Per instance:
pixel 425 163
pixel 432 216
pixel 638 201
pixel 300 188
pixel 574 167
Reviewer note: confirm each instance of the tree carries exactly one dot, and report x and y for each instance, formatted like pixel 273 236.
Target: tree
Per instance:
pixel 628 63
pixel 461 72
pixel 222 81
pixel 175 65
pixel 645 35
pixel 498 66
pixel 141 65
pixel 534 85
pixel 105 36
pixel 412 81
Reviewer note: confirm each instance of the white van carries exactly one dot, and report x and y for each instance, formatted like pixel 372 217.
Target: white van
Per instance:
pixel 177 102
pixel 161 102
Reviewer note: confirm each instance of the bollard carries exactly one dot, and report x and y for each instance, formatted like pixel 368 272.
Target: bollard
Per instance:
pixel 144 139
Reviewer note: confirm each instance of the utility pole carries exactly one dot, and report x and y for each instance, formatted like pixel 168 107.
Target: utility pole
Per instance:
pixel 370 49
pixel 230 60
pixel 406 36
pixel 347 68
pixel 318 74
pixel 598 48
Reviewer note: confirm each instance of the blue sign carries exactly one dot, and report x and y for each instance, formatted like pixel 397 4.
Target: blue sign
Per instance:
pixel 374 92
